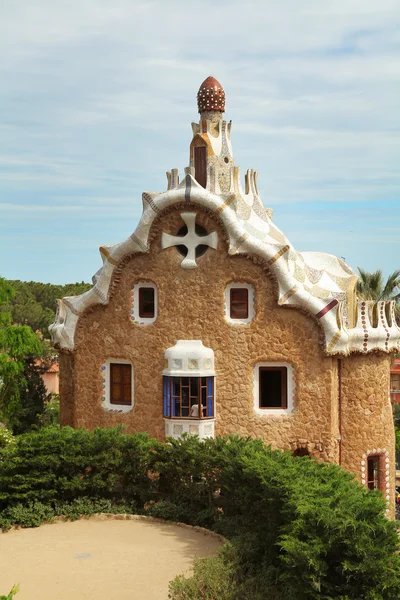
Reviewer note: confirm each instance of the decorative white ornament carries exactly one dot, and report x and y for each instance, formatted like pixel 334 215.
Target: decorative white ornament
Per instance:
pixel 191 240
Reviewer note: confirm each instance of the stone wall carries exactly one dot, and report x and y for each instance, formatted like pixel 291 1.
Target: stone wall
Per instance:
pixel 367 421
pixel 191 306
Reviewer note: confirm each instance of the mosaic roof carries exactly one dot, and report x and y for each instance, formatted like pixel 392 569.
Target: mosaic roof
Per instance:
pixel 318 283
pixel 211 96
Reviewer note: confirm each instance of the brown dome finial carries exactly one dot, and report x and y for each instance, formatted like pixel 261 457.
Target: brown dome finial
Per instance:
pixel 211 96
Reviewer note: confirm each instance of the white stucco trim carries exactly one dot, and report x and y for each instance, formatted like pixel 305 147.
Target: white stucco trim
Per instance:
pixel 189 358
pixel 251 301
pixel 135 317
pixel 275 412
pixel 105 376
pixel 383 454
pixel 175 428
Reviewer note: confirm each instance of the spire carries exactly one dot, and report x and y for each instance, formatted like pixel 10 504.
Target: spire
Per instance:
pixel 211 96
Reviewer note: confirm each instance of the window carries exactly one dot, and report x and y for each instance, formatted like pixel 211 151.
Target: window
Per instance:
pixel 375 471
pixel 239 305
pixel 273 388
pixel 146 302
pixel 189 397
pixel 200 165
pixel 395 382
pixel 120 384
pixel 117 379
pixel 395 387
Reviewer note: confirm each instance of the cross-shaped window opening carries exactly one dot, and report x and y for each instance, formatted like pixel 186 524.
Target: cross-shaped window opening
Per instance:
pixel 201 249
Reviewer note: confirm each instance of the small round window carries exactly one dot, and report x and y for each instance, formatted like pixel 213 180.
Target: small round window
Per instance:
pixel 200 249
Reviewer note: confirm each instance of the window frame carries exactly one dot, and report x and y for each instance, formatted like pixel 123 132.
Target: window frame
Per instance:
pixel 283 391
pixel 250 303
pixel 125 382
pixel 105 370
pixel 172 399
pixel 142 313
pixel 135 303
pixel 289 389
pixel 378 483
pixel 234 302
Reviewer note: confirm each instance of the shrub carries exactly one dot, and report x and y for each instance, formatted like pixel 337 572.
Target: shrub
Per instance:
pixel 63 464
pixel 51 413
pixel 298 529
pixel 11 594
pixel 6 436
pixel 212 580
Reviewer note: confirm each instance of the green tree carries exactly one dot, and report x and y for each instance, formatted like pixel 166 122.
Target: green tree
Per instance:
pixel 17 343
pixel 371 286
pixel 33 398
pixel 35 303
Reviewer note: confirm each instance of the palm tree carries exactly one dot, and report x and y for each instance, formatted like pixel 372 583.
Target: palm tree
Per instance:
pixel 371 286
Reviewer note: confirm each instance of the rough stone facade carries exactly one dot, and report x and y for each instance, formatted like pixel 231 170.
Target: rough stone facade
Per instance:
pixel 337 351
pixel 190 306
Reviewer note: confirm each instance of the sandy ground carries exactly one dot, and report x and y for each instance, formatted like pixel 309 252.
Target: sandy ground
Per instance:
pixel 98 560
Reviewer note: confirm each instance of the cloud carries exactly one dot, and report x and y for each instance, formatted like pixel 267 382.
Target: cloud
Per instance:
pixel 97 97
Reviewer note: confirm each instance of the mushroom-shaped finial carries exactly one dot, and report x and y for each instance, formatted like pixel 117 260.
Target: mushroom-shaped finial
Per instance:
pixel 211 96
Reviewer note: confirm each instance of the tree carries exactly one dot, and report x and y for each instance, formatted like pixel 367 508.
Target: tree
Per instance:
pixel 33 398
pixel 371 286
pixel 35 303
pixel 17 343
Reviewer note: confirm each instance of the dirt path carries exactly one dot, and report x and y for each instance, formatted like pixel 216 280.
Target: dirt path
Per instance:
pixel 98 560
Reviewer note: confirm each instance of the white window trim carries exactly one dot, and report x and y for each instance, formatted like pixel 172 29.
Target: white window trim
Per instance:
pixel 105 375
pixel 251 300
pixel 135 318
pixel 276 412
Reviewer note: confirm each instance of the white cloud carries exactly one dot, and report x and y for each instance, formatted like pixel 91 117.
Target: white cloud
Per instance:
pixel 97 99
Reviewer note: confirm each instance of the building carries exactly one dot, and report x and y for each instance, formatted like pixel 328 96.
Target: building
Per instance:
pixel 49 372
pixel 395 381
pixel 207 321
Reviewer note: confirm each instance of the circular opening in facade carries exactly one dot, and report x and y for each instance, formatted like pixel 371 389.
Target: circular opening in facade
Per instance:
pixel 226 159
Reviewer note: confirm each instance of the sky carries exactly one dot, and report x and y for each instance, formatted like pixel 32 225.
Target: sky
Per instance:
pixel 97 98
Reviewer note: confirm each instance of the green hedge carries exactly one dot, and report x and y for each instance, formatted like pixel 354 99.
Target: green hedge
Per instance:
pixel 298 529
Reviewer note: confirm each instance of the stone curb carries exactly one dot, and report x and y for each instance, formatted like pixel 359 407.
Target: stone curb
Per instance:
pixel 128 517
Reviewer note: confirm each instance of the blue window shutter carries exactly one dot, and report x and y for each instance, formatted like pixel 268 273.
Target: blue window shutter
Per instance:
pixel 210 396
pixel 167 397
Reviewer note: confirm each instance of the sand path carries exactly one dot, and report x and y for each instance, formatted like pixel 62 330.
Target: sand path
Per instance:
pixel 99 560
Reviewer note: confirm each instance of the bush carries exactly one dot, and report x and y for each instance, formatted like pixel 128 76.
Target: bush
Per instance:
pixel 298 529
pixel 51 413
pixel 6 436
pixel 11 594
pixel 212 580
pixel 56 465
pixel 218 578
